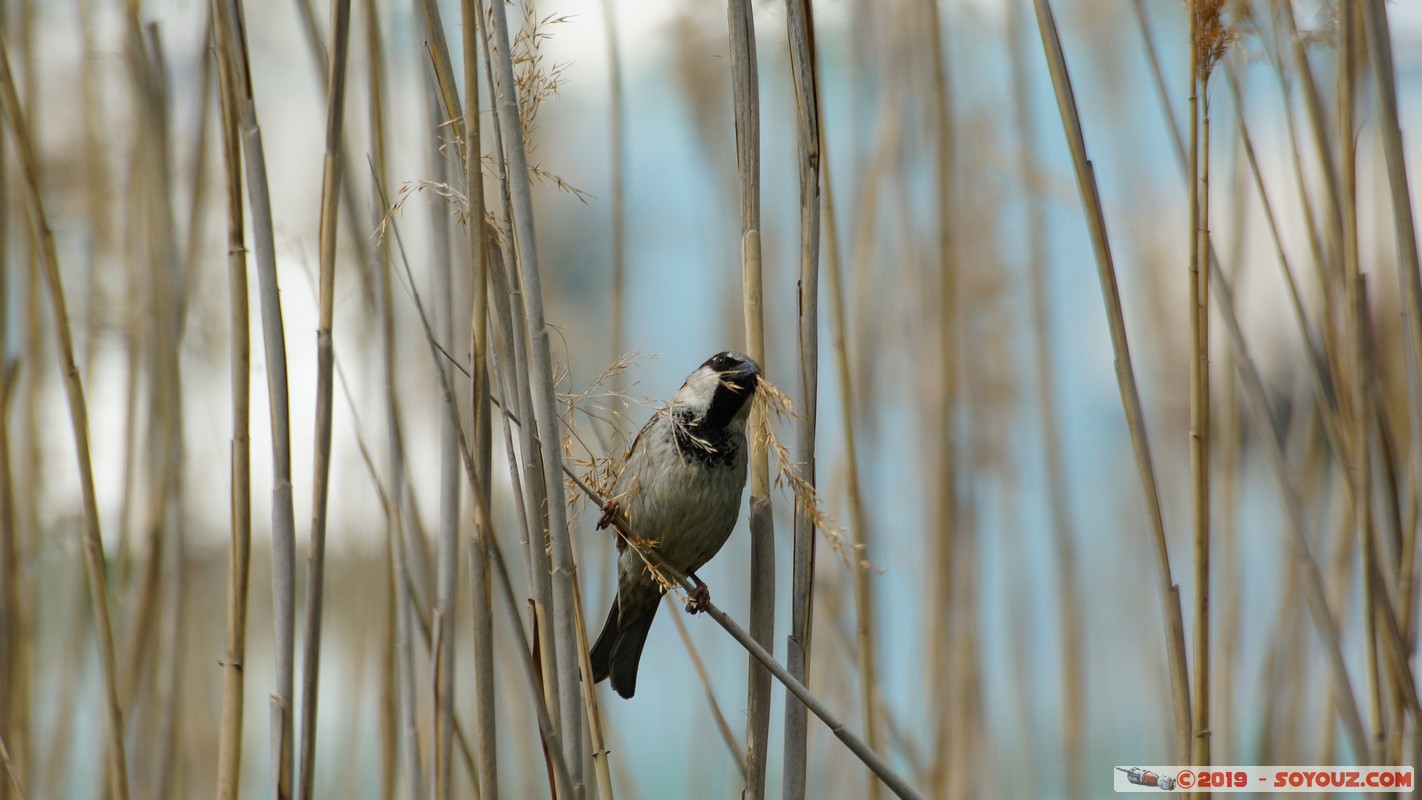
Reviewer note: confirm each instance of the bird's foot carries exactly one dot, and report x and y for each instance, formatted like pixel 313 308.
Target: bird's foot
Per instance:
pixel 609 514
pixel 699 599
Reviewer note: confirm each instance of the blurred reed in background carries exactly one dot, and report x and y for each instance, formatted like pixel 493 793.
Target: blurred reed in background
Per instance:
pixel 1112 428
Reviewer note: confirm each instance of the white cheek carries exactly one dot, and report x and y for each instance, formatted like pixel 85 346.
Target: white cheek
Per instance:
pixel 699 390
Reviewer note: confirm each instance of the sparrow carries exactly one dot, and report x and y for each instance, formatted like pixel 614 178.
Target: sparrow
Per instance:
pixel 680 492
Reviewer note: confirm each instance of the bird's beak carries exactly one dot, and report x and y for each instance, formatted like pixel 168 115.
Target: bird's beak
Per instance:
pixel 746 373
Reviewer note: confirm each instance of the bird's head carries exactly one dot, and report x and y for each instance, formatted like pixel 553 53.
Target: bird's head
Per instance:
pixel 718 393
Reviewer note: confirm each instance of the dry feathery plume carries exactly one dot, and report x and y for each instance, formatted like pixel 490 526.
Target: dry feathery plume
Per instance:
pixel 650 565
pixel 457 201
pixel 459 209
pixel 1243 13
pixel 544 176
pixel 501 232
pixel 1214 36
pixel 536 81
pixel 770 400
pixel 599 472
pixel 1325 34
pixel 598 402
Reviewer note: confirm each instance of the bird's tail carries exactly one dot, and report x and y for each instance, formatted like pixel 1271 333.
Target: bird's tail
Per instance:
pixel 619 648
pixel 601 654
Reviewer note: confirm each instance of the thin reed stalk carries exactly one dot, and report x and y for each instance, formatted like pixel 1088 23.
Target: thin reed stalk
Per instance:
pixel 543 702
pixel 865 650
pixel 31 453
pixel 1125 373
pixel 1319 248
pixel 152 674
pixel 602 773
pixel 404 733
pixel 1073 683
pixel 950 770
pixel 442 66
pixel 444 96
pixel 447 558
pixel 528 483
pixel 617 336
pixel 510 352
pixel 98 186
pixel 12 773
pixel 745 89
pixel 800 24
pixel 560 781
pixel 1341 692
pixel 722 726
pixel 1317 117
pixel 350 200
pixel 193 246
pixel 14 666
pixel 617 169
pixel 58 750
pixel 11 612
pixel 1230 471
pixel 1384 76
pixel 1342 698
pixel 170 301
pixel 486 736
pixel 232 45
pixel 1323 393
pixel 1290 497
pixel 1358 406
pixel 408 736
pixel 1158 77
pixel 171 675
pixel 1206 45
pixel 896 783
pixel 229 771
pixel 331 178
pixel 526 478
pixel 540 380
pixel 43 238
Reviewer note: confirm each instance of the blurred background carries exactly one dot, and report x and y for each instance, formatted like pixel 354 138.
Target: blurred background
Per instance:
pixel 1018 626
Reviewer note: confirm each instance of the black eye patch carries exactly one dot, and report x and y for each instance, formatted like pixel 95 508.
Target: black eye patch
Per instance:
pixel 719 362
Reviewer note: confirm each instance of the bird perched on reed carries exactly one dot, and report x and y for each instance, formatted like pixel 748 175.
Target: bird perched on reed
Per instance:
pixel 680 492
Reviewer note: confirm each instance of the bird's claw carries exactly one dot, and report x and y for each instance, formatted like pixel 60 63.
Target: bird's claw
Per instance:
pixel 699 599
pixel 609 514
